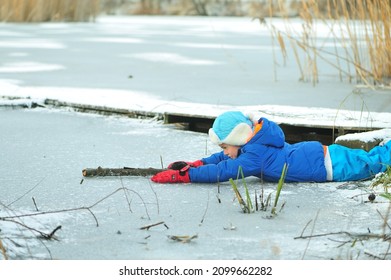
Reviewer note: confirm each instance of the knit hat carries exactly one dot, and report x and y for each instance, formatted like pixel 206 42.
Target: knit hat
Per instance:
pixel 232 128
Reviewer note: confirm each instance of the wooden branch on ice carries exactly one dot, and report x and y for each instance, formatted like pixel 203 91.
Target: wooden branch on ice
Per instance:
pixel 153 225
pixel 125 171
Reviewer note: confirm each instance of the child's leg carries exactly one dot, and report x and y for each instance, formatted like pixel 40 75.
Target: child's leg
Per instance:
pixel 356 164
pixel 385 141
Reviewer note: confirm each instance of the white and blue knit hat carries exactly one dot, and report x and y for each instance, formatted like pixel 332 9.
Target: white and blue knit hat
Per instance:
pixel 232 128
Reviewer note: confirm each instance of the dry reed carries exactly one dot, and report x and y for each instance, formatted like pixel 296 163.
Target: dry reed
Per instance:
pixel 3 251
pixel 48 10
pixel 358 29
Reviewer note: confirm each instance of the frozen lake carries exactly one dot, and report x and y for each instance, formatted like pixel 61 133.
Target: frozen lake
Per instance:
pixel 211 60
pixel 44 151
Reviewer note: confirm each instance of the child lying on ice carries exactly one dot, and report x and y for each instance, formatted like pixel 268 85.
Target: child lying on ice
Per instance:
pixel 259 148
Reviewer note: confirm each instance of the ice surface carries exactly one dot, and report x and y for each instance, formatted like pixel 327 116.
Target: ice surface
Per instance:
pixel 47 150
pixel 219 61
pixel 192 65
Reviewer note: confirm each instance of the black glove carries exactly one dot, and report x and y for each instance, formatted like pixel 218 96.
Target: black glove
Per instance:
pixel 178 165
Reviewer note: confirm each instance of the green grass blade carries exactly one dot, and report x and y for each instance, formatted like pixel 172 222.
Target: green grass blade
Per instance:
pixel 279 187
pixel 248 199
pixel 386 195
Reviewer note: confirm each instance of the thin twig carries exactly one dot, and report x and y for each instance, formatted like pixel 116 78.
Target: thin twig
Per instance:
pixel 126 195
pixel 353 235
pixel 312 230
pixel 385 218
pixel 88 208
pixel 302 233
pixel 156 197
pixel 206 210
pixel 147 227
pixel 50 235
pixel 117 190
pixel 372 255
pixel 35 204
pixel 161 162
pixel 30 190
pixel 388 250
pixel 41 233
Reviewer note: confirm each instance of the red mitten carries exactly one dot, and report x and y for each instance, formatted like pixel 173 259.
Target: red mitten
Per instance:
pixel 178 165
pixel 172 176
pixel 196 163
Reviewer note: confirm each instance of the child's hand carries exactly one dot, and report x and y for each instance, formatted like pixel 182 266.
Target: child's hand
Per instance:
pixel 178 165
pixel 172 176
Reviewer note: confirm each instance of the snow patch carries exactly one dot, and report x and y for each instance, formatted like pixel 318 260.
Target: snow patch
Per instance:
pixel 21 102
pixel 32 44
pixel 115 40
pixel 172 58
pixel 18 54
pixel 22 67
pixel 147 102
pixel 223 46
pixel 369 136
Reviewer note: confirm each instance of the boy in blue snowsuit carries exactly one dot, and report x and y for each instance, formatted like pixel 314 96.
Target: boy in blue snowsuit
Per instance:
pixel 260 150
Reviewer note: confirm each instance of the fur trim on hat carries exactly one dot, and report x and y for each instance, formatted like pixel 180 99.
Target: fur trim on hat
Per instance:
pixel 213 137
pixel 237 137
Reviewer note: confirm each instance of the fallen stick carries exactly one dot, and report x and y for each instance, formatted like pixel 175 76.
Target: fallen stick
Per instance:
pixel 125 171
pixel 152 225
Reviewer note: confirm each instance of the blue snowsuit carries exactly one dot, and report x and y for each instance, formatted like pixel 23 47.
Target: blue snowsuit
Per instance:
pixel 264 157
pixel 356 164
pixel 266 153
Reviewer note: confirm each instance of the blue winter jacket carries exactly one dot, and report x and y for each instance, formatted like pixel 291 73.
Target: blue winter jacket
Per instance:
pixel 264 157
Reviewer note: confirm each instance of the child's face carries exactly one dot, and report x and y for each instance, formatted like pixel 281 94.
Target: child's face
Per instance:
pixel 230 151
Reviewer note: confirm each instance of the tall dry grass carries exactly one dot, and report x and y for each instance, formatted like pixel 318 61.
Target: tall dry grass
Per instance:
pixel 48 10
pixel 3 251
pixel 357 30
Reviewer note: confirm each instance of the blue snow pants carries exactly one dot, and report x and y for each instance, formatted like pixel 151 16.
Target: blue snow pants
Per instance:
pixel 356 164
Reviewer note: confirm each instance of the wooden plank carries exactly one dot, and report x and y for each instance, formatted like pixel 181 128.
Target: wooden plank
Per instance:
pixel 104 110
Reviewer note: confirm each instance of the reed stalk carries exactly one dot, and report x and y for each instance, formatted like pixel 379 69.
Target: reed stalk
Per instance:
pixel 3 251
pixel 48 10
pixel 359 29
